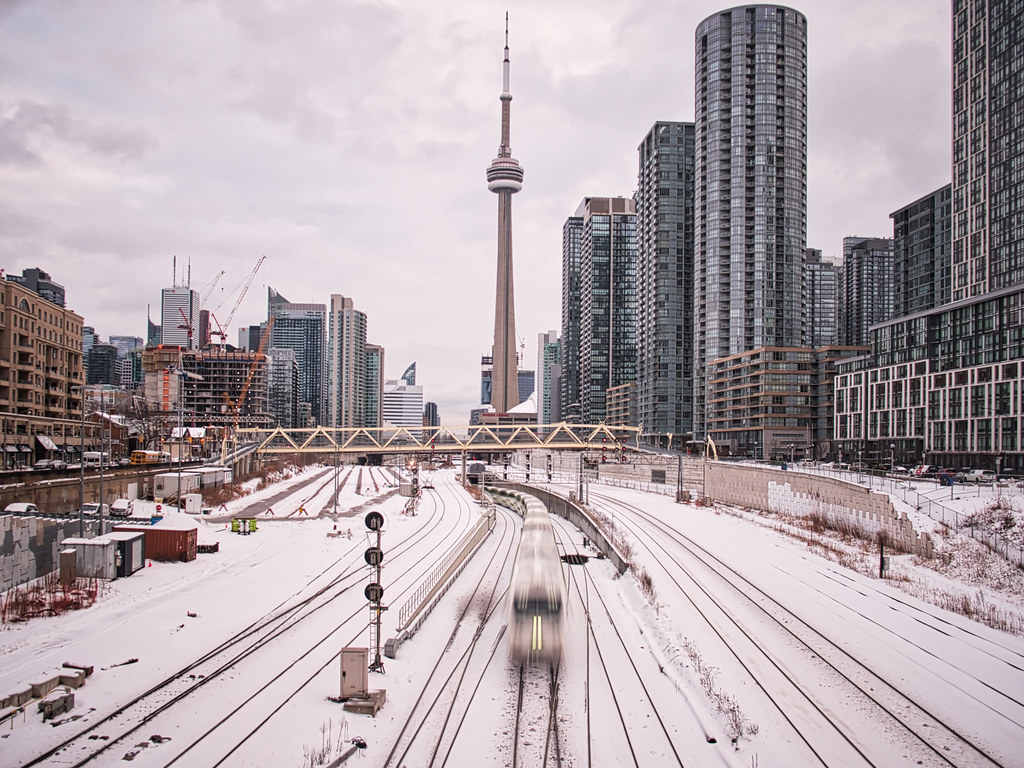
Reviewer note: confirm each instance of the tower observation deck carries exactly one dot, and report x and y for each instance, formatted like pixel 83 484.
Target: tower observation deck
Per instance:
pixel 505 178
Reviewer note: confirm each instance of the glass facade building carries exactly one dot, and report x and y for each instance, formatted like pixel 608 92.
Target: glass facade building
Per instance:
pixel 820 292
pixel 750 227
pixel 663 397
pixel 922 253
pixel 300 327
pixel 945 387
pixel 865 287
pixel 374 384
pixel 548 371
pixel 988 135
pixel 569 385
pixel 283 387
pixel 346 364
pixel 608 321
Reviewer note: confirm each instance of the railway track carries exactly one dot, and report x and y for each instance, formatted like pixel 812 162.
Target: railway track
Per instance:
pixel 344 576
pixel 823 724
pixel 613 682
pixel 535 742
pixel 429 733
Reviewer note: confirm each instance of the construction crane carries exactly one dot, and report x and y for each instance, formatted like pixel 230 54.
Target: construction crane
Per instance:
pixel 235 407
pixel 245 287
pixel 208 290
pixel 185 325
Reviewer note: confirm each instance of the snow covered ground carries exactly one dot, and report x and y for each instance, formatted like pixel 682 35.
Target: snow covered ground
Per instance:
pixel 775 641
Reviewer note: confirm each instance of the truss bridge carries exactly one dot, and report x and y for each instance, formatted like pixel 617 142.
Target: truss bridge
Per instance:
pixel 480 438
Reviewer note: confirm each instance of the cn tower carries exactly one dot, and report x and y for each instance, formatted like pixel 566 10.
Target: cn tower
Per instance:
pixel 504 178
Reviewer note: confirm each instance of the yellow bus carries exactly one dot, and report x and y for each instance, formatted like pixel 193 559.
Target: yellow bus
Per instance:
pixel 150 457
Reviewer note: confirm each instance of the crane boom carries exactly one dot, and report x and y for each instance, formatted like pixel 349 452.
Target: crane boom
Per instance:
pixel 222 327
pixel 245 289
pixel 208 290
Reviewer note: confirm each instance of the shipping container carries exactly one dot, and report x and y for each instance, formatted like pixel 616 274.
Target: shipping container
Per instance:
pixel 131 550
pixel 167 543
pixel 94 558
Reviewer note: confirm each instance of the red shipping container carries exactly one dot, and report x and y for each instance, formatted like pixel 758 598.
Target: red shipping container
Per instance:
pixel 167 544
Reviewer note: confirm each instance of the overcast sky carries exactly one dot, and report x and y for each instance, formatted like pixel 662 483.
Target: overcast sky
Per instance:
pixel 348 142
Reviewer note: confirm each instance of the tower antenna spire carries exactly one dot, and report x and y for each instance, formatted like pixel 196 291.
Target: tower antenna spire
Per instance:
pixel 505 178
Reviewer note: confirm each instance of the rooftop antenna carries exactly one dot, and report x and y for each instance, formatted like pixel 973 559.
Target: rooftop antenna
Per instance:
pixel 174 270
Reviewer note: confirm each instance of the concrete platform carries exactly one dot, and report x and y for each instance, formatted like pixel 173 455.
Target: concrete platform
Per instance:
pixel 368 706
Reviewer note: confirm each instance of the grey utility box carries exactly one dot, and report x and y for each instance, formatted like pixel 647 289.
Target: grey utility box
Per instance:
pixel 355 665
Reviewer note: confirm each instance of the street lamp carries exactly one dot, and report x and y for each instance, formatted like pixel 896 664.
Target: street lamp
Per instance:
pixel 892 458
pixel 792 447
pixel 81 466
pixel 182 374
pixel 102 435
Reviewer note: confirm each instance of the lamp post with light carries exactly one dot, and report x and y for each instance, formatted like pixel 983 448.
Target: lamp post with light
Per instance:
pixel 81 467
pixel 182 374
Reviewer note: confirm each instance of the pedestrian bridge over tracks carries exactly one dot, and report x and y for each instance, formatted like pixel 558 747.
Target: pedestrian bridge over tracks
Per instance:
pixel 481 438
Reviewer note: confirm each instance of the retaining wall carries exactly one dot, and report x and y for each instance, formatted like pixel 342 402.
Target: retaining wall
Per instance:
pixel 772 489
pixel 776 490
pixel 567 509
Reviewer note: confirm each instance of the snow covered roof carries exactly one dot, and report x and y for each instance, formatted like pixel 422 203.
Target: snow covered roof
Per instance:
pixel 529 405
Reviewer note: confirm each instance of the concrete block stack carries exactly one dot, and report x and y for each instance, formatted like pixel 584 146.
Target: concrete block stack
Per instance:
pixel 30 546
pixel 17 553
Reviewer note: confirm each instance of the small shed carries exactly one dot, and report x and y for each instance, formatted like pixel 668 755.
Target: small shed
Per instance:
pixel 131 550
pixel 94 558
pixel 172 539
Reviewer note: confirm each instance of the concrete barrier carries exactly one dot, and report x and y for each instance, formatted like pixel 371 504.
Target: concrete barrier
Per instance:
pixel 412 615
pixel 569 510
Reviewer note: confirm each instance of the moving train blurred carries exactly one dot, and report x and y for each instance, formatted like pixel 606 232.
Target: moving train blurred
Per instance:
pixel 538 592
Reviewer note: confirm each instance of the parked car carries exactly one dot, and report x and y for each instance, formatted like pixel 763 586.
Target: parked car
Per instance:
pixel 981 476
pixel 43 464
pixel 925 470
pixel 92 508
pixel 121 508
pixel 21 508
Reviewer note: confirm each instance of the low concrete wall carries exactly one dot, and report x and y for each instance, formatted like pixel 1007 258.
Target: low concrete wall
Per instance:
pixel 568 510
pixel 56 495
pixel 30 546
pixel 776 490
pixel 773 489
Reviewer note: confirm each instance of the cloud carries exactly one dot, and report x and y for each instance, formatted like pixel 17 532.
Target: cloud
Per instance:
pixel 27 128
pixel 348 142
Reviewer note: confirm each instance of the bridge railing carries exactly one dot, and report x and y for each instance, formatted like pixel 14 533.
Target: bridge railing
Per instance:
pixel 481 438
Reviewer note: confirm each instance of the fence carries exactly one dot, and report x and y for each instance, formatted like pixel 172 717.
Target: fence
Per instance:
pixel 936 510
pixel 439 579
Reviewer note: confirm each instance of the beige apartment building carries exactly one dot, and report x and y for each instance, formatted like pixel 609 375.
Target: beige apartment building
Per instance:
pixel 41 376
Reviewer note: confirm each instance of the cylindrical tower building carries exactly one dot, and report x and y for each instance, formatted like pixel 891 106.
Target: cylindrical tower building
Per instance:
pixel 505 178
pixel 750 227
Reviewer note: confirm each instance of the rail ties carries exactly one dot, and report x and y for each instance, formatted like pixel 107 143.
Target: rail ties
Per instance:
pixel 537 702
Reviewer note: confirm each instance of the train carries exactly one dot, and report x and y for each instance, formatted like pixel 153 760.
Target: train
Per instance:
pixel 537 611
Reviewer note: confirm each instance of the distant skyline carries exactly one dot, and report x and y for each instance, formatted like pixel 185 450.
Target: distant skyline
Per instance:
pixel 348 142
